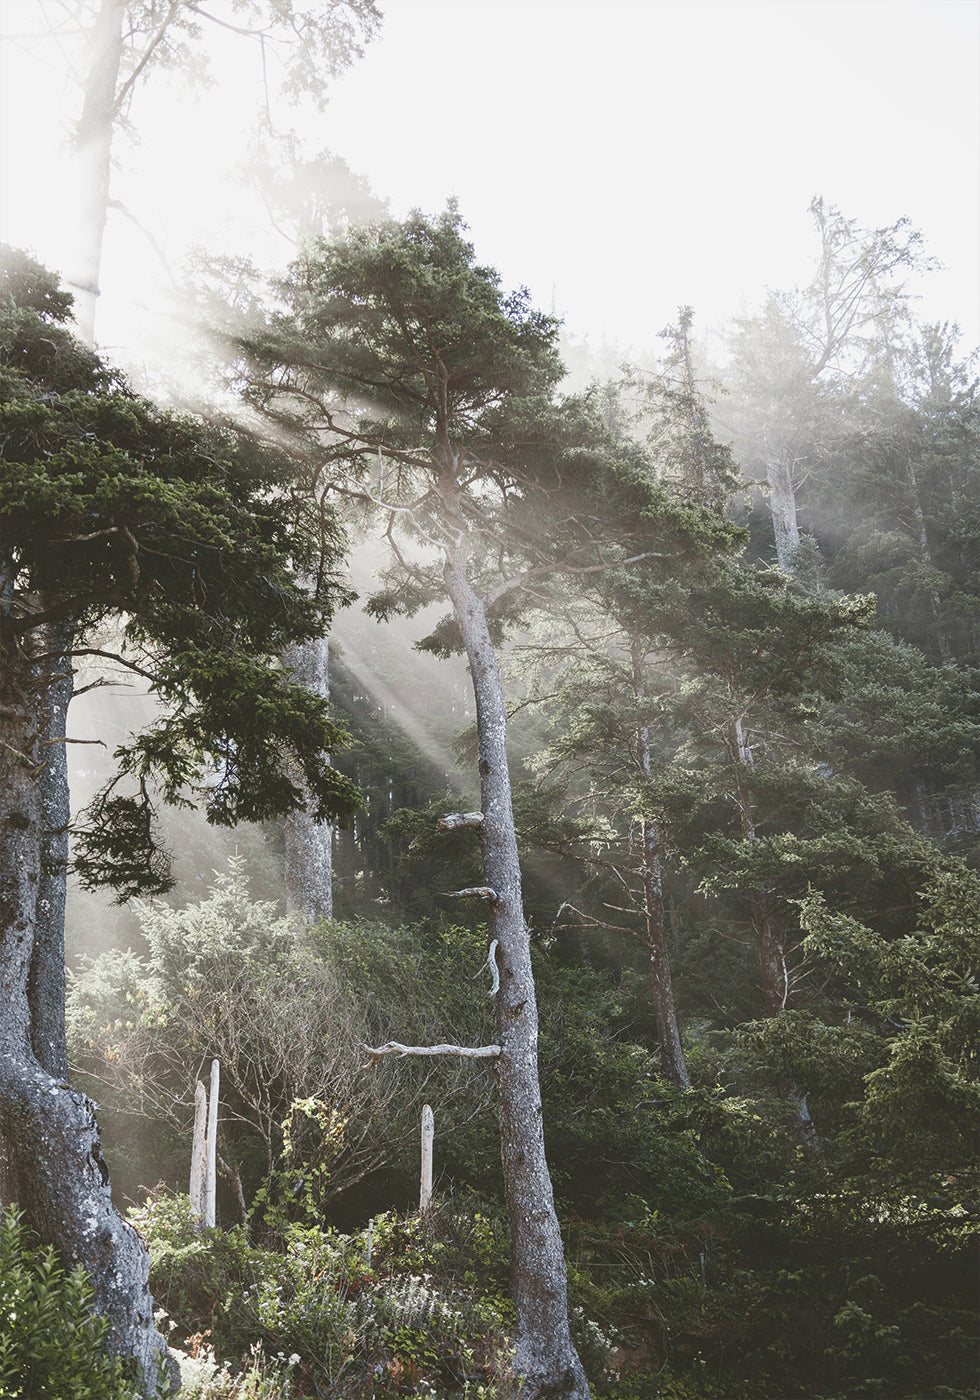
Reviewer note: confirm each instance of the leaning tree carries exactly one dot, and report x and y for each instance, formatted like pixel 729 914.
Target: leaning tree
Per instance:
pixel 410 379
pixel 182 537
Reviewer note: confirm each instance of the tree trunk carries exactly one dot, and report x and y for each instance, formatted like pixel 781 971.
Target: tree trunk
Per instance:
pixel 93 150
pixel 46 981
pixel 211 1152
pixel 309 856
pixel 199 1151
pixel 782 503
pixel 661 984
pixel 545 1356
pixel 425 1175
pixel 51 1160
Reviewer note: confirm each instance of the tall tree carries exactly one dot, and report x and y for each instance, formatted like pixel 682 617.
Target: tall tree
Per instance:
pixel 126 40
pixel 794 362
pixel 398 354
pixel 111 509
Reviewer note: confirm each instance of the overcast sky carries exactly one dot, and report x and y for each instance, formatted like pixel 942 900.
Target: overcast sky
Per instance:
pixel 617 156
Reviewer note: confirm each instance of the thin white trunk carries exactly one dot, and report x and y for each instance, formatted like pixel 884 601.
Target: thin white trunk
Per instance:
pixel 210 1178
pixel 199 1151
pixel 428 1133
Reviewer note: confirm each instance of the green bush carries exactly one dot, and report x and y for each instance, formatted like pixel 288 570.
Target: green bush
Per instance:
pixel 50 1340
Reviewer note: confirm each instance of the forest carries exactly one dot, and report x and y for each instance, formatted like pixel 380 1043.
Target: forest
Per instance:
pixel 514 843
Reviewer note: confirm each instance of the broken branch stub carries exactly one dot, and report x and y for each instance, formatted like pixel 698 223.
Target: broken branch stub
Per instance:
pixel 465 1052
pixel 481 891
pixel 454 820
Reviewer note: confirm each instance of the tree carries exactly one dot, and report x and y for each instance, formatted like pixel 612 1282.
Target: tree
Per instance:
pixel 396 351
pixel 602 713
pixel 126 40
pixel 113 510
pixel 794 362
pixel 229 978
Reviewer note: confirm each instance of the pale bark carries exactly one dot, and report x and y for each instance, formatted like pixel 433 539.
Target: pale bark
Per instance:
pixel 309 856
pixel 782 503
pixel 211 1158
pixel 545 1357
pixel 395 1047
pixel 199 1151
pixel 51 1161
pixel 425 1182
pixel 46 983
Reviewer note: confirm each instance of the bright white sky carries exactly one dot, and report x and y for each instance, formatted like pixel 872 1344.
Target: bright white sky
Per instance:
pixel 619 157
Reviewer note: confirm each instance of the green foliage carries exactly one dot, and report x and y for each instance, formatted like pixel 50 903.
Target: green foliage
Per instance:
pixel 425 1313
pixel 185 533
pixel 51 1343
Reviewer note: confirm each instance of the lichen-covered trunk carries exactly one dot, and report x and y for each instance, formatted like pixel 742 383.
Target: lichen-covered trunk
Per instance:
pixel 309 854
pixel 545 1357
pixel 46 980
pixel 782 503
pixel 51 1161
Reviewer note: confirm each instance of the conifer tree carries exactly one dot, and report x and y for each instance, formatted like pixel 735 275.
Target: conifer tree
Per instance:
pixel 411 378
pixel 111 509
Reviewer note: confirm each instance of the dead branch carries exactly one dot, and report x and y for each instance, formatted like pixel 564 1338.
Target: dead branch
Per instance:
pixel 453 820
pixel 465 1052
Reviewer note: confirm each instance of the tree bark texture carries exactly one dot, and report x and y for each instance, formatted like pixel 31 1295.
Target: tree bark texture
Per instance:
pixel 545 1356
pixel 51 1161
pixel 199 1151
pixel 425 1174
pixel 782 503
pixel 309 854
pixel 46 981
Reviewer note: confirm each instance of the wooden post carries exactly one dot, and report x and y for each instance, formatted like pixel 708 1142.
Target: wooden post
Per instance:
pixel 212 1143
pixel 428 1132
pixel 199 1152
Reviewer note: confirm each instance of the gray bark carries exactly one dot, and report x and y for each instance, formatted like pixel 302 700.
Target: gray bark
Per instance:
pixel 51 1161
pixel 425 1178
pixel 46 981
pixel 782 503
pixel 199 1150
pixel 309 856
pixel 211 1154
pixel 545 1357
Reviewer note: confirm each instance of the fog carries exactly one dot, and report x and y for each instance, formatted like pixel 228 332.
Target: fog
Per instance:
pixel 619 158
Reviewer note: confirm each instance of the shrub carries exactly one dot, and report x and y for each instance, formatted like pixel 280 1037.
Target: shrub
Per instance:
pixel 50 1340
